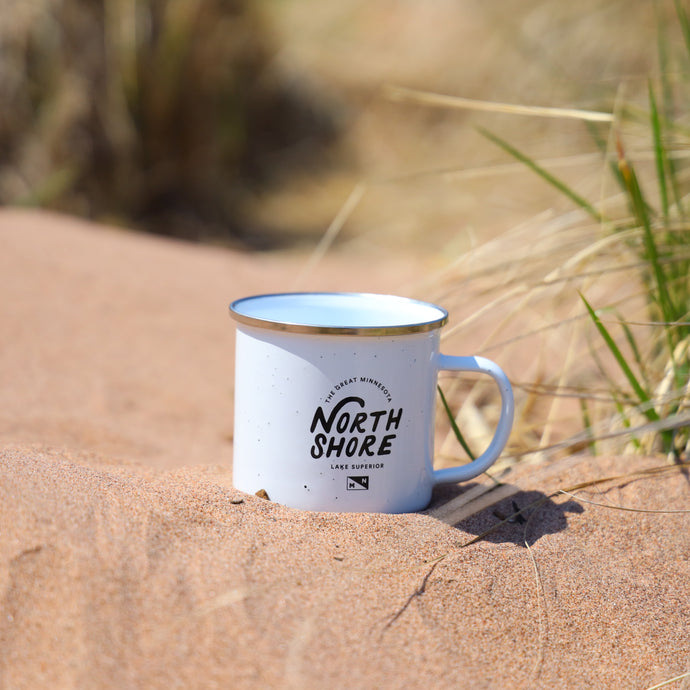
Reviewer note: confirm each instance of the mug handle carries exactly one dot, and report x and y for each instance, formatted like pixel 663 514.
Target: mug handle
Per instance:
pixel 461 473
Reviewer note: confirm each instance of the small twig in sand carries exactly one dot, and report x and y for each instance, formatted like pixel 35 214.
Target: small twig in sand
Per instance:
pixel 669 681
pixel 541 605
pixel 417 593
pixel 613 506
pixel 517 516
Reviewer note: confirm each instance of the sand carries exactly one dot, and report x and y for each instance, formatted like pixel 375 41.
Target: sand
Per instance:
pixel 127 560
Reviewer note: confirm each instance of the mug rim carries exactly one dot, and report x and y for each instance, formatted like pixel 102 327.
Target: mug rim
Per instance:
pixel 239 310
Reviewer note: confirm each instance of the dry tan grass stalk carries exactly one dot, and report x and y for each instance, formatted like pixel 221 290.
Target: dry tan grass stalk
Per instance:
pixel 332 232
pixel 437 100
pixel 613 506
pixel 670 680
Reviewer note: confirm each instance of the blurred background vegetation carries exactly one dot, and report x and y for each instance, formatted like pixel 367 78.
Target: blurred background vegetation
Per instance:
pixel 251 121
pixel 160 114
pixel 290 123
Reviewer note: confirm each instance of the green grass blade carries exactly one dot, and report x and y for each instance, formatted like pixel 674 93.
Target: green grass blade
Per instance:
pixel 454 426
pixel 544 174
pixel 635 350
pixel 659 152
pixel 602 145
pixel 632 188
pixel 641 394
pixel 667 106
pixel 662 44
pixel 684 24
pixel 640 209
pixel 626 422
pixel 621 413
pixel 587 424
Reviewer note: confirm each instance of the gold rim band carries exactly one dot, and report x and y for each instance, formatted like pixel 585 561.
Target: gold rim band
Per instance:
pixel 315 329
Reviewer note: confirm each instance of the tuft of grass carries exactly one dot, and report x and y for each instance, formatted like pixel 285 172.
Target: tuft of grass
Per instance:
pixel 454 426
pixel 643 362
pixel 660 236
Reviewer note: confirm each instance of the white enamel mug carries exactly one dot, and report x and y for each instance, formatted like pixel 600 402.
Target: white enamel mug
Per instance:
pixel 335 400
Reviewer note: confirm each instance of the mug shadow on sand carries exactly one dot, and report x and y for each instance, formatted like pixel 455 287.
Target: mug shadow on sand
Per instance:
pixel 504 514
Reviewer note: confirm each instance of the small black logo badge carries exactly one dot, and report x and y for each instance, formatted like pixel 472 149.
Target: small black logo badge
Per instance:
pixel 357 483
